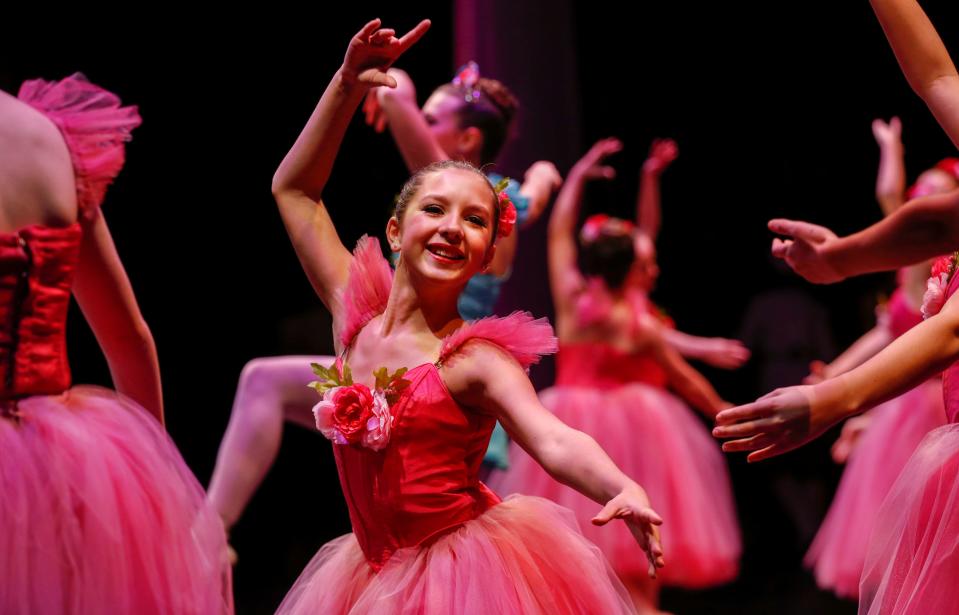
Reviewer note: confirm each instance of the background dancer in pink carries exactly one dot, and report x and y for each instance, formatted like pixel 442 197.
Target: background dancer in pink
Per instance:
pixel 613 369
pixel 98 512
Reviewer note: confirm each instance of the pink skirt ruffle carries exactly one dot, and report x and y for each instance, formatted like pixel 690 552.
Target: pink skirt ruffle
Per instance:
pixel 99 514
pixel 839 550
pixel 656 440
pixel 912 564
pixel 524 555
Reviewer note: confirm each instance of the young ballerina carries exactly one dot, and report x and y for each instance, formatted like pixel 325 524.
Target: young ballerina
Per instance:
pixel 428 536
pixel 913 555
pixel 468 119
pixel 884 438
pixel 98 512
pixel 612 371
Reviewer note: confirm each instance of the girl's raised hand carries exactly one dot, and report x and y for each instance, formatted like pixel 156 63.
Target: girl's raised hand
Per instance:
pixel 373 50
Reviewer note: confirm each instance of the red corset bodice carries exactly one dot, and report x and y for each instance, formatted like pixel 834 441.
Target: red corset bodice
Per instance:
pixel 425 482
pixel 950 377
pixel 595 364
pixel 37 265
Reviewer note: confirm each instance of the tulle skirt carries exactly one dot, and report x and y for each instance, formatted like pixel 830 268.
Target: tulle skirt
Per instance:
pixel 99 513
pixel 524 555
pixel 839 550
pixel 912 565
pixel 655 439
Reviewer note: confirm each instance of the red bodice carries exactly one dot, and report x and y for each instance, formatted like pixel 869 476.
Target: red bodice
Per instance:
pixel 36 272
pixel 595 364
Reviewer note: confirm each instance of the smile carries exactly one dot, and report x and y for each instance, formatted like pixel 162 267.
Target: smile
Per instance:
pixel 445 252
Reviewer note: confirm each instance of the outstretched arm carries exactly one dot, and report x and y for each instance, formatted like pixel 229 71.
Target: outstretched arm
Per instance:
pixel 921 229
pixel 485 378
pixel 716 351
pixel 788 418
pixel 923 58
pixel 299 181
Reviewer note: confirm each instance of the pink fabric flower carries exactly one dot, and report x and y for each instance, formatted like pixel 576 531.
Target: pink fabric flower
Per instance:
pixel 354 415
pixel 378 426
pixel 942 265
pixel 935 296
pixel 507 216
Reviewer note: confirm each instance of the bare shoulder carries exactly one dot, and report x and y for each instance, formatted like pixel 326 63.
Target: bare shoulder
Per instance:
pixel 477 369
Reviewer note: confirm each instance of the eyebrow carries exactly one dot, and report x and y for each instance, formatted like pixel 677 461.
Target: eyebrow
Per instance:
pixel 439 197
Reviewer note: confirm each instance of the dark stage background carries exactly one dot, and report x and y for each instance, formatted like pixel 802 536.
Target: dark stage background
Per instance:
pixel 771 105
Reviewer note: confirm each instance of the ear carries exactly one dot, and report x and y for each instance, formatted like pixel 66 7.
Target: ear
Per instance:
pixel 394 234
pixel 470 140
pixel 488 259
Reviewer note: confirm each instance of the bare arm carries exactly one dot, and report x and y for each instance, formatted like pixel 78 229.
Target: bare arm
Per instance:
pixel 861 351
pixel 923 58
pixel 565 279
pixel 919 230
pixel 891 177
pixel 648 204
pixel 398 110
pixel 301 177
pixel 686 381
pixel 485 378
pixel 788 418
pixel 716 351
pixel 106 298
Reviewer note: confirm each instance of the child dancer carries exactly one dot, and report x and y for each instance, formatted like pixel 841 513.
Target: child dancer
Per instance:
pixel 468 119
pixel 428 536
pixel 98 512
pixel 613 368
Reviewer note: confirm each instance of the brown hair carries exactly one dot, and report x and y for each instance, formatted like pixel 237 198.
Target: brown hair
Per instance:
pixel 492 113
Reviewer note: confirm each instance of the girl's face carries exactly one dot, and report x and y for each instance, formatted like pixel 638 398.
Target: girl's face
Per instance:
pixel 440 113
pixel 645 270
pixel 445 232
pixel 933 181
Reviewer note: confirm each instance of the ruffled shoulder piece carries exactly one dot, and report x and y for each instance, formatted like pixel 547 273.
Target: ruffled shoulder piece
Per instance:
pixel 524 337
pixel 367 290
pixel 94 125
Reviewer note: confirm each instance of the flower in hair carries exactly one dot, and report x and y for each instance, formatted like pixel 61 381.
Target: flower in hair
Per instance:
pixel 602 224
pixel 466 79
pixel 507 211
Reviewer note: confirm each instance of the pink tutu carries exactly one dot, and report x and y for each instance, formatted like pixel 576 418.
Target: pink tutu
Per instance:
pixel 523 555
pixel 838 552
pixel 913 559
pixel 100 514
pixel 657 441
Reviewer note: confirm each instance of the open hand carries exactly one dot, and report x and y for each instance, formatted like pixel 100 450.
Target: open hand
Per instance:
pixel 662 153
pixel 632 506
pixel 591 166
pixel 887 134
pixel 725 353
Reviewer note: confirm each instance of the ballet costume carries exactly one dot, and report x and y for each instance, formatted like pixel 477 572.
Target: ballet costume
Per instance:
pixel 98 511
pixel 428 536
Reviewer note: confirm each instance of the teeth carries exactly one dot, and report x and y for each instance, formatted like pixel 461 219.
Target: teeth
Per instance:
pixel 444 253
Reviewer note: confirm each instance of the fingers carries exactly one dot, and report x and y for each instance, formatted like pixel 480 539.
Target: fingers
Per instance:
pixel 410 38
pixel 896 124
pixel 375 77
pixel 382 36
pixel 748 429
pixel 812 233
pixel 611 511
pixel 754 443
pixel 781 247
pixel 759 409
pixel 369 29
pixel 770 451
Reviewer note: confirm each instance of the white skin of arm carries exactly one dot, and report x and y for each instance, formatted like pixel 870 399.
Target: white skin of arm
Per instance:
pixel 891 176
pixel 106 299
pixel 924 60
pixel 485 378
pixel 716 351
pixel 790 417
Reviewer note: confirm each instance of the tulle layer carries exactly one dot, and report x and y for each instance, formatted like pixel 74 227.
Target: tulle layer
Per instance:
pixel 839 550
pixel 656 440
pixel 99 513
pixel 524 555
